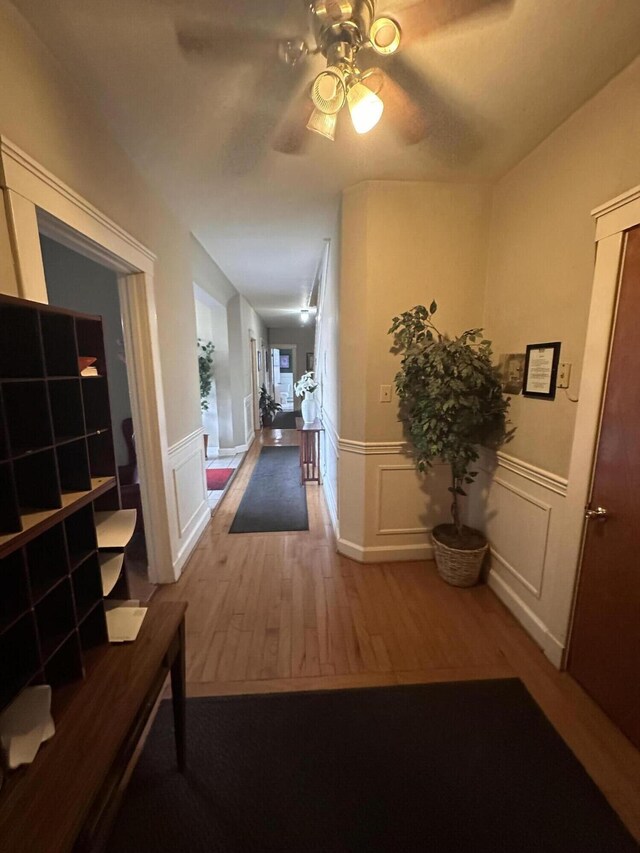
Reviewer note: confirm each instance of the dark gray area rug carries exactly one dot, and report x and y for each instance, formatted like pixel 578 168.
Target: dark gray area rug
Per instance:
pixel 465 767
pixel 285 420
pixel 274 500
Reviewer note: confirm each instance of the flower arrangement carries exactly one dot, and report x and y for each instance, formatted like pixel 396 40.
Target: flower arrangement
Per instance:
pixel 306 384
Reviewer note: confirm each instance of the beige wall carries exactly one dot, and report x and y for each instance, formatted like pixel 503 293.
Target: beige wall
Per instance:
pixel 404 244
pixel 44 112
pixel 541 255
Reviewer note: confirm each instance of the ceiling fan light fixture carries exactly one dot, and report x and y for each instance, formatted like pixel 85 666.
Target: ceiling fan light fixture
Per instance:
pixel 385 36
pixel 328 91
pixel 323 123
pixel 365 106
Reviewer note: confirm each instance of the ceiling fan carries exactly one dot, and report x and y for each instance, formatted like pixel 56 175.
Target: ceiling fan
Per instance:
pixel 347 34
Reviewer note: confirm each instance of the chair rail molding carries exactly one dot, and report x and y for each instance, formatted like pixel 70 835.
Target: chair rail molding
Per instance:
pixel 547 479
pixel 373 448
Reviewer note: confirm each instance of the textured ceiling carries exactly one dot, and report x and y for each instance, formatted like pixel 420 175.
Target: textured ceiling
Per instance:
pixel 493 87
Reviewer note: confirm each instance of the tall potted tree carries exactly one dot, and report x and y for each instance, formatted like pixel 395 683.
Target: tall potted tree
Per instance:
pixel 451 402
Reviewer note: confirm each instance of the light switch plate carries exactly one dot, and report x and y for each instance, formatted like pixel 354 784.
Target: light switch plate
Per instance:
pixel 385 393
pixel 564 375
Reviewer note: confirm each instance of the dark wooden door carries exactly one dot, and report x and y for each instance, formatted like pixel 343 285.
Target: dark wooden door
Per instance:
pixel 604 655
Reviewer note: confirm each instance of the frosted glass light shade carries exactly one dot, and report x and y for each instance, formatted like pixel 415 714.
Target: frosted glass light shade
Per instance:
pixel 323 124
pixel 365 107
pixel 385 36
pixel 328 90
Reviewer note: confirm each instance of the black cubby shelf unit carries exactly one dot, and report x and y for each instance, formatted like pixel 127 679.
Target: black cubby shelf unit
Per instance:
pixel 57 463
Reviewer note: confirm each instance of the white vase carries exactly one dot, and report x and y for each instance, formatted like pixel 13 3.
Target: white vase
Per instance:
pixel 308 408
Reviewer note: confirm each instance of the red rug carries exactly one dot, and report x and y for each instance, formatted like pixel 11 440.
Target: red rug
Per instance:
pixel 217 478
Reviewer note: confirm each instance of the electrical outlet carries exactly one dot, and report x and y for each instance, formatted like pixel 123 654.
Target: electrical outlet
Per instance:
pixel 564 375
pixel 385 393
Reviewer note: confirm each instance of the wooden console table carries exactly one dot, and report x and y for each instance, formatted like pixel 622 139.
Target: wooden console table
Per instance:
pixel 67 798
pixel 309 450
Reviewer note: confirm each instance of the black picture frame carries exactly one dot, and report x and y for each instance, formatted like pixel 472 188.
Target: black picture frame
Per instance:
pixel 309 361
pixel 536 355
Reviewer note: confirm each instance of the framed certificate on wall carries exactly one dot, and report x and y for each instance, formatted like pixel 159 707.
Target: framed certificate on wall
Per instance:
pixel 541 370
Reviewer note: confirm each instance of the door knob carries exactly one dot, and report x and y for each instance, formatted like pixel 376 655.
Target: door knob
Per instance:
pixel 599 514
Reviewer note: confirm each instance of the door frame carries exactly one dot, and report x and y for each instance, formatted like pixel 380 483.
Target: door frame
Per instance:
pixel 255 380
pixel 294 366
pixel 613 219
pixel 36 201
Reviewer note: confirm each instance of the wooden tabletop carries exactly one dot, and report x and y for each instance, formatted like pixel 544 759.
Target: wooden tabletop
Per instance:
pixel 314 426
pixel 43 806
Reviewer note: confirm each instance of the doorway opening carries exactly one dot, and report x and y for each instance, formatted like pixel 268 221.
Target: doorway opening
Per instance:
pixel 292 352
pixel 222 459
pixel 78 283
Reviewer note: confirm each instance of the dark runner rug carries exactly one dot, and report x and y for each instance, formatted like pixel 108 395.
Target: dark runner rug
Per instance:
pixel 274 500
pixel 465 767
pixel 285 420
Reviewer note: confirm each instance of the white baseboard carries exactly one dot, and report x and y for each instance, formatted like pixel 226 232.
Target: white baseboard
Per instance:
pixel 550 645
pixel 233 451
pixel 385 553
pixel 331 505
pixel 188 545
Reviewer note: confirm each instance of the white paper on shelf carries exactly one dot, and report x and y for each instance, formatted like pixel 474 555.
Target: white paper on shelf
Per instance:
pixel 123 623
pixel 25 724
pixel 114 529
pixel 110 568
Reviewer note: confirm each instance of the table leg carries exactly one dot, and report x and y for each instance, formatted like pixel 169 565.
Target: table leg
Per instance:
pixel 179 698
pixel 301 458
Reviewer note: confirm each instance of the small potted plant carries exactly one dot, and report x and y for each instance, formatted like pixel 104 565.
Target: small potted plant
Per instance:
pixel 268 407
pixel 451 402
pixel 306 387
pixel 205 367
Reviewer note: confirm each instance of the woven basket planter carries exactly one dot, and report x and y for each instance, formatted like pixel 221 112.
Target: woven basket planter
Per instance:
pixel 458 567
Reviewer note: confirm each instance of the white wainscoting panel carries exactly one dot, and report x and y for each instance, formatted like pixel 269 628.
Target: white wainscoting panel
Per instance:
pixel 518 529
pixel 329 460
pixel 521 510
pixel 192 512
pixel 388 509
pixel 409 502
pixel 248 420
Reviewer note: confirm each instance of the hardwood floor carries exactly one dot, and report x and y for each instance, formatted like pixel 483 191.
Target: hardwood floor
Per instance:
pixel 284 611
